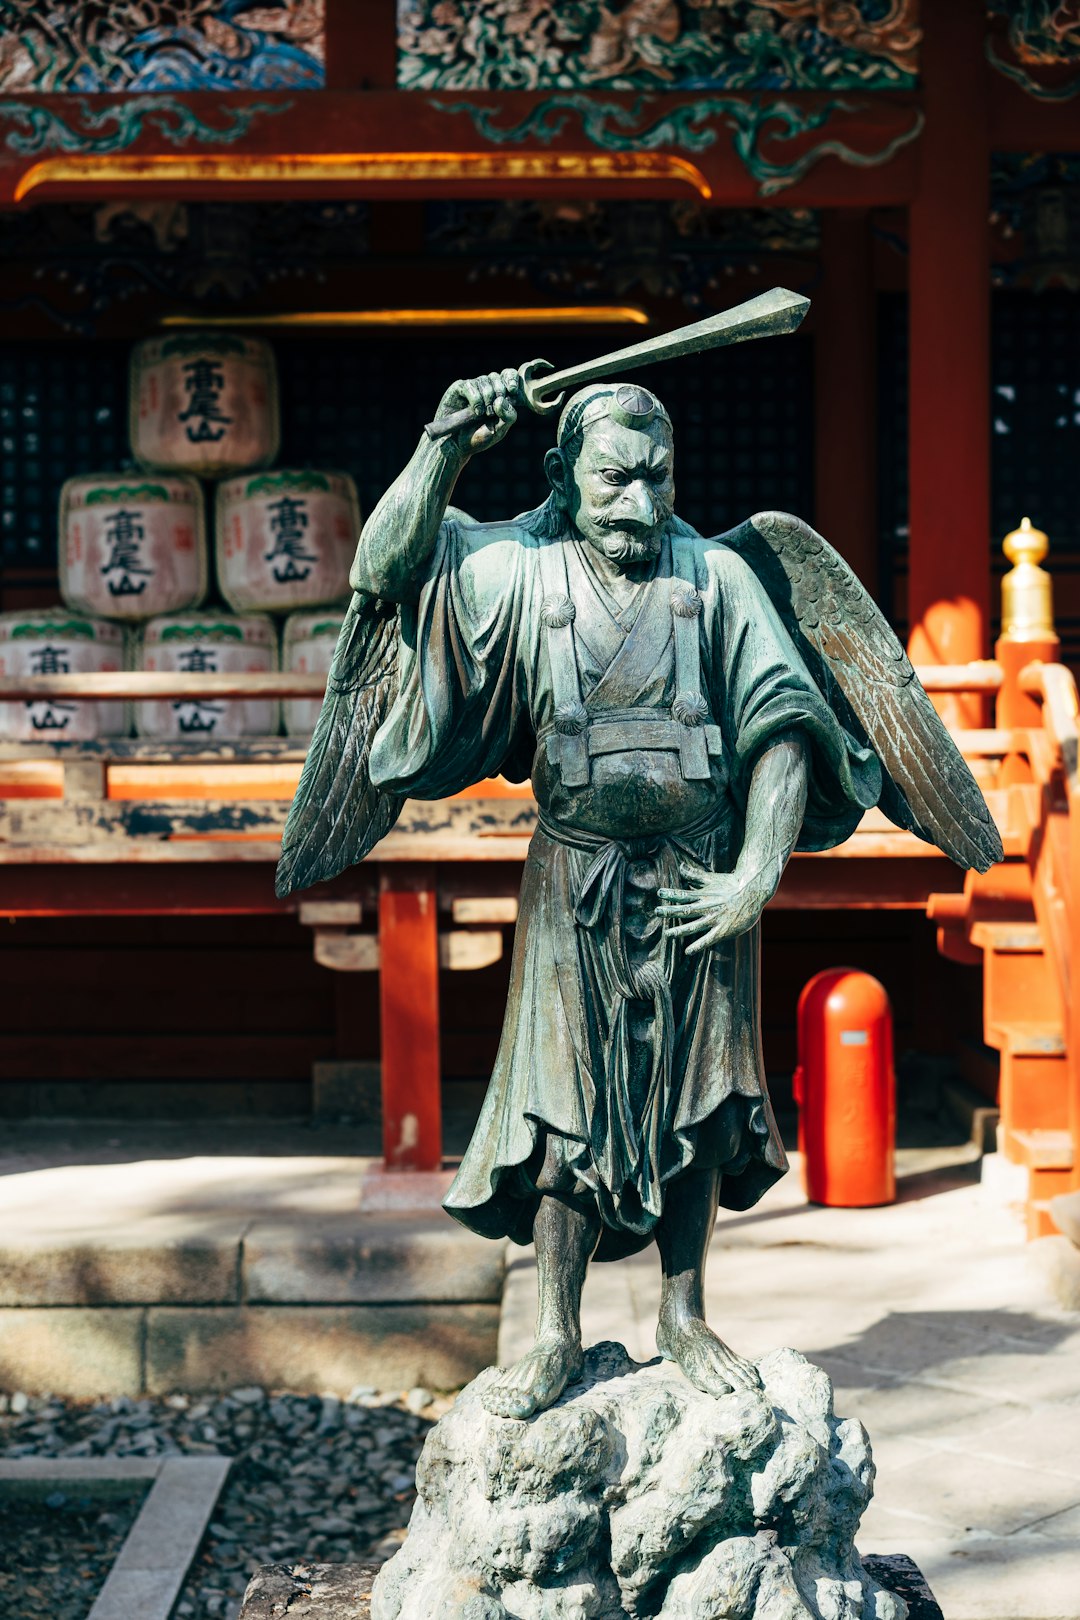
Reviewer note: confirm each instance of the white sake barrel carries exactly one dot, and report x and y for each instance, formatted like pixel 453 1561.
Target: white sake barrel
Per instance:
pixel 285 540
pixel 55 641
pixel 204 403
pixel 307 647
pixel 132 547
pixel 205 644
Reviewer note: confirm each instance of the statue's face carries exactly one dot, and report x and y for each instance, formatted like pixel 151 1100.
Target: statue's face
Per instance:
pixel 620 492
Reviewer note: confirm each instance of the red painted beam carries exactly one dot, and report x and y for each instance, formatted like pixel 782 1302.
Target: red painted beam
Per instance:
pixel 949 292
pixel 220 888
pixel 409 1002
pixel 442 152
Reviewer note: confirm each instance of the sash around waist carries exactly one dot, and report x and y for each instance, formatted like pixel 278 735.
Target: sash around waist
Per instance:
pixel 678 838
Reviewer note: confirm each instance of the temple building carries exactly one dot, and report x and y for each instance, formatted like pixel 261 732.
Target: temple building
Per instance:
pixel 243 254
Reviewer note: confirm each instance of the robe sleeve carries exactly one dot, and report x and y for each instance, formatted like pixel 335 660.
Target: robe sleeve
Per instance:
pixel 458 717
pixel 768 690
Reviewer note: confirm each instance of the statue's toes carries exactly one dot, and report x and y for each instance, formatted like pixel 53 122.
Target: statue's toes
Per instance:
pixel 506 1402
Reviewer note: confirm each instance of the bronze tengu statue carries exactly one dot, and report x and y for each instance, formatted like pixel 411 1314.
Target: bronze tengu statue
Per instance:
pixel 690 711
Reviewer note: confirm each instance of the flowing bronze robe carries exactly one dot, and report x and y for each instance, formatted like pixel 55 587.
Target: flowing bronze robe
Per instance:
pixel 623 1061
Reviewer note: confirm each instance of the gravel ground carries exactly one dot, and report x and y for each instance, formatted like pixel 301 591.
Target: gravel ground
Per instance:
pixel 315 1477
pixel 56 1554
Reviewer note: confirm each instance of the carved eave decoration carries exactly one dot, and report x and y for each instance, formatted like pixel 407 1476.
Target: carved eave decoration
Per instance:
pixel 1036 45
pixel 727 148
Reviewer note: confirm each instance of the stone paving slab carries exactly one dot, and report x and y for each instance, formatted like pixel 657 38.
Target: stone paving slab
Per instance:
pixel 128 1267
pixel 370 1259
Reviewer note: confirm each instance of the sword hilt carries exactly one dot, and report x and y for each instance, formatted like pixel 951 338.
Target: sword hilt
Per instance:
pixel 531 374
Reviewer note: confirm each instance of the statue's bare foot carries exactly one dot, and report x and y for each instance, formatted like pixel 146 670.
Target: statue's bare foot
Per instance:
pixel 705 1359
pixel 537 1380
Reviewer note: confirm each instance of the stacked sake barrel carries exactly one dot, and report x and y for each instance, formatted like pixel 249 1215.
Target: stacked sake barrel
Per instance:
pixel 135 552
pixel 57 641
pixel 207 404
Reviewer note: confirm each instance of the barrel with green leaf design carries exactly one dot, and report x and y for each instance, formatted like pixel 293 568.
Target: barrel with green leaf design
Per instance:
pixel 307 647
pixel 285 539
pixel 208 643
pixel 56 641
pixel 204 403
pixel 132 546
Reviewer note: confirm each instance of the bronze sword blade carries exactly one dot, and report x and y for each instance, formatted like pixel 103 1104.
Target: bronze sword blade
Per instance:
pixel 771 314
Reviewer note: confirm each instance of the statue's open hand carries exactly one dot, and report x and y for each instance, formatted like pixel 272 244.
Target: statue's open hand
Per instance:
pixel 493 398
pixel 720 905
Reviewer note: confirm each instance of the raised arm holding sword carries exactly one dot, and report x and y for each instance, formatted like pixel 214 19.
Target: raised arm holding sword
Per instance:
pixel 690 711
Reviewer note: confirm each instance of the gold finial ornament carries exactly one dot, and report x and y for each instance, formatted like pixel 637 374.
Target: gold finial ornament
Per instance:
pixel 1027 598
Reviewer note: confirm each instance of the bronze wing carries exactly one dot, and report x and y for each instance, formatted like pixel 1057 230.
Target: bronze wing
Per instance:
pixel 338 815
pixel 869 683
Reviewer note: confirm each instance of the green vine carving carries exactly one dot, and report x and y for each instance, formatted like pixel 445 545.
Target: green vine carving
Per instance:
pixel 199 342
pixel 266 483
pixel 218 630
pixel 126 492
pixel 691 127
pixel 38 628
pixel 84 128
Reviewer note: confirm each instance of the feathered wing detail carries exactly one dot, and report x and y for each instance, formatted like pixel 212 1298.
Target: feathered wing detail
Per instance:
pixel 869 683
pixel 338 815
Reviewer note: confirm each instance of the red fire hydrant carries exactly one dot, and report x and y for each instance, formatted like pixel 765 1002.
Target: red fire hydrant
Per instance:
pixel 845 1088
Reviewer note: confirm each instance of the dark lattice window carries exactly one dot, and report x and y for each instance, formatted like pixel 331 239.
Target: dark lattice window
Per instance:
pixel 892 432
pixel 743 423
pixel 743 419
pixel 63 410
pixel 1035 425
pixel 1034 439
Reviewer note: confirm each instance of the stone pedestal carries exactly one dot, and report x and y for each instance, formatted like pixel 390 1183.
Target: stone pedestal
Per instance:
pixel 637 1496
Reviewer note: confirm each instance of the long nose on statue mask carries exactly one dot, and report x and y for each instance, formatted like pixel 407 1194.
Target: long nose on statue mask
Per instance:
pixel 635 505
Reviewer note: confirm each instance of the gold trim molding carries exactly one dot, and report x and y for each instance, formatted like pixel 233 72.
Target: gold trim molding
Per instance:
pixel 487 315
pixel 370 168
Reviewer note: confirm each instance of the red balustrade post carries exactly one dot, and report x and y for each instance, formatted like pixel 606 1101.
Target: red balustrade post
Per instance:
pixel 949 294
pixel 409 1003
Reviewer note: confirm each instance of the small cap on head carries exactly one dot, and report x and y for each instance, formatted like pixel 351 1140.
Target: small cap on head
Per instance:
pixel 626 403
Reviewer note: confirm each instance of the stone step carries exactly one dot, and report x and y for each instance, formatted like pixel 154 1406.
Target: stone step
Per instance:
pixel 208 1273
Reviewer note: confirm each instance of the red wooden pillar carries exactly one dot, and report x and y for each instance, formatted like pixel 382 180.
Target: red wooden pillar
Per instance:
pixel 949 291
pixel 845 343
pixel 409 1000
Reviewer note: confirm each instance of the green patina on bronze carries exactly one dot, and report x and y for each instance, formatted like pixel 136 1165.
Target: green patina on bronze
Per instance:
pixel 693 127
pixel 690 710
